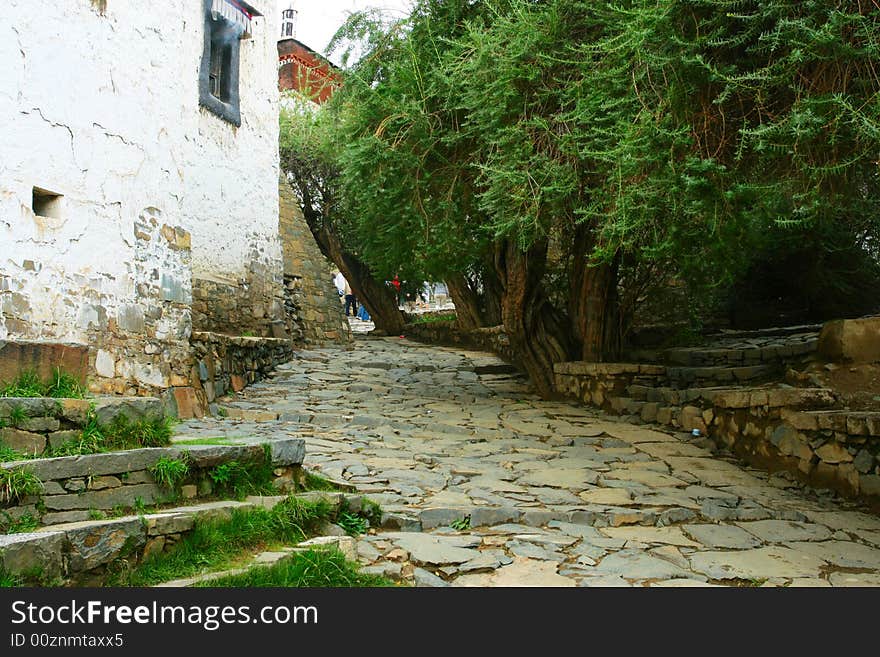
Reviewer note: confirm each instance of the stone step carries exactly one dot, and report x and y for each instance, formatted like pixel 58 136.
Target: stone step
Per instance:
pixel 687 377
pixel 71 550
pixel 345 544
pixel 740 355
pixel 75 487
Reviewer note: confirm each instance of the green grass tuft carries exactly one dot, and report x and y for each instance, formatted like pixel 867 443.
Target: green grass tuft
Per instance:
pixel 23 524
pixel 169 472
pixel 310 569
pixel 9 454
pixel 16 483
pixel 353 524
pixel 29 384
pixel 242 478
pixel 121 434
pixel 216 544
pixel 317 482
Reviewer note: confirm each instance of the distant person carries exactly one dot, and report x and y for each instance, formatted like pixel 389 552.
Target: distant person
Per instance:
pixel 350 301
pixel 396 285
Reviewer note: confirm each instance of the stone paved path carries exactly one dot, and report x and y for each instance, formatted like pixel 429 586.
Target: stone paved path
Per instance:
pixel 556 494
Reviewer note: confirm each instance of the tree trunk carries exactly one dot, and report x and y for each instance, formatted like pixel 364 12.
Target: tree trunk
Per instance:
pixel 490 297
pixel 595 308
pixel 467 308
pixel 377 297
pixel 538 335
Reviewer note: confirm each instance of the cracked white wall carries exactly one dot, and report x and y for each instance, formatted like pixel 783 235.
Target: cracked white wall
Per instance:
pixel 103 109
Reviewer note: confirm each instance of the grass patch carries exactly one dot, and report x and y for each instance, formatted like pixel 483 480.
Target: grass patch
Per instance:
pixel 431 319
pixel 243 478
pixel 8 580
pixel 317 482
pixel 29 384
pixel 121 434
pixel 9 454
pixel 310 569
pixel 21 525
pixel 16 483
pixel 217 544
pixel 17 415
pixel 353 524
pixel 169 472
pixel 219 440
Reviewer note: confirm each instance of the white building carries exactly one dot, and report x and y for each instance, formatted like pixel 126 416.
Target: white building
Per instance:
pixel 138 179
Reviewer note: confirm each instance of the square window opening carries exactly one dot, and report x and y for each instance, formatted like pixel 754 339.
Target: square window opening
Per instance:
pixel 46 204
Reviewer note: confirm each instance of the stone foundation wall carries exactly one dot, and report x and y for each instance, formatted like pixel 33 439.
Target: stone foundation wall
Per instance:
pixel 227 364
pixel 492 339
pixel 251 307
pixel 145 348
pixel 313 310
pixel 76 488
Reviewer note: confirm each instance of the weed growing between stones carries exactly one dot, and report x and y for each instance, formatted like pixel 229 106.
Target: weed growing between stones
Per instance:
pixel 29 384
pixel 316 482
pixel 170 472
pixel 20 525
pixel 353 524
pixel 121 434
pixel 242 478
pixel 217 544
pixel 8 580
pixel 462 524
pixel 16 483
pixel 17 415
pixel 9 454
pixel 310 569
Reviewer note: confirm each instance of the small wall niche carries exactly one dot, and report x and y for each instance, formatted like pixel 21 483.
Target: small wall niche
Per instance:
pixel 46 204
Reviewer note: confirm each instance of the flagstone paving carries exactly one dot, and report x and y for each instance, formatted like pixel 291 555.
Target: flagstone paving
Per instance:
pixel 485 484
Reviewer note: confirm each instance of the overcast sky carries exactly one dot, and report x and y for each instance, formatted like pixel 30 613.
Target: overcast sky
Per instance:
pixel 318 20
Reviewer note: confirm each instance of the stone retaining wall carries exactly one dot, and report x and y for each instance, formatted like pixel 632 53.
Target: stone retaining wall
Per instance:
pixel 77 487
pixel 311 299
pixel 226 363
pixel 798 430
pixel 492 339
pixel 33 425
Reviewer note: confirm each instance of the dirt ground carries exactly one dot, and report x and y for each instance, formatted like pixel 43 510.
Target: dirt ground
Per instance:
pixel 857 385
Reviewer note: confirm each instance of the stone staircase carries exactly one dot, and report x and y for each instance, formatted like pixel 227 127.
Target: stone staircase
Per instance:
pixel 733 391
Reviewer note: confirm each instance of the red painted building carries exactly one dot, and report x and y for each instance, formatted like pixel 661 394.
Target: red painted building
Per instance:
pixel 300 68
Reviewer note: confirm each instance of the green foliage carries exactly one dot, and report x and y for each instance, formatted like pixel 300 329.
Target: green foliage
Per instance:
pixel 8 580
pixel 17 415
pixel 462 524
pixel 17 483
pixel 243 478
pixel 22 524
pixel 58 385
pixel 170 472
pixel 8 454
pixel 683 140
pixel 317 482
pixel 353 524
pixel 431 319
pixel 96 514
pixel 310 569
pixel 215 544
pixel 121 434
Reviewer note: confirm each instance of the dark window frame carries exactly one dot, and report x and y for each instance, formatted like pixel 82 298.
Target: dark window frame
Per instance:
pixel 220 34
